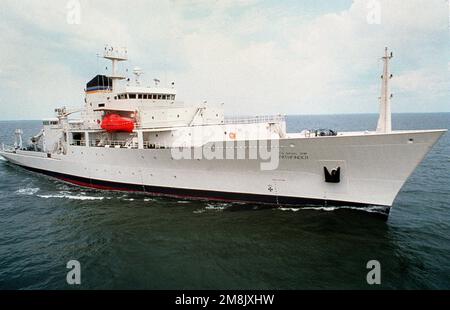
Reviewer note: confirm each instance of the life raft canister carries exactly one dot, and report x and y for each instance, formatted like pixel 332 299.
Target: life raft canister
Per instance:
pixel 117 123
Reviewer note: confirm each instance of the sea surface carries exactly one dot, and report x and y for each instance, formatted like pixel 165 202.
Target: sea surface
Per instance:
pixel 132 241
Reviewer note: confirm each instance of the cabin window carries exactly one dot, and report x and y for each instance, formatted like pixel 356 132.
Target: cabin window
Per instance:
pixel 101 105
pixel 78 138
pixel 47 123
pixel 140 96
pixel 159 96
pixel 173 97
pixel 115 97
pixel 132 96
pixel 122 96
pixel 145 96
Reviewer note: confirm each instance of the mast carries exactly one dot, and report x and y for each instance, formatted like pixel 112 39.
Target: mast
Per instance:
pixel 384 121
pixel 115 55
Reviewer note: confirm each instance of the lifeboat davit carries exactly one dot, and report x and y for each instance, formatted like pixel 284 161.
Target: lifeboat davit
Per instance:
pixel 115 123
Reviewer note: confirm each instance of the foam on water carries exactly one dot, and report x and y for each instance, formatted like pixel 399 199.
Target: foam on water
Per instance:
pixel 371 209
pixel 199 211
pixel 65 196
pixel 289 209
pixel 28 191
pixel 217 206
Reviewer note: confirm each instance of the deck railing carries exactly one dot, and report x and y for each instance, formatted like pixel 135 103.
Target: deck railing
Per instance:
pixel 256 119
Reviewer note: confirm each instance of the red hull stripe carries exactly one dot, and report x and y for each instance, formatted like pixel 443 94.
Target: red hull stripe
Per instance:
pixel 193 193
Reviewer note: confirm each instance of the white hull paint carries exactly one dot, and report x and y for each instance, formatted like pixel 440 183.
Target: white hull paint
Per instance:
pixel 374 167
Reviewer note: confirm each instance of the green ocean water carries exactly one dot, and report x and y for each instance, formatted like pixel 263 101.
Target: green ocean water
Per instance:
pixel 132 241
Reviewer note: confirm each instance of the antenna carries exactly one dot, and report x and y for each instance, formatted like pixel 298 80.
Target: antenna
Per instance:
pixel 115 55
pixel 138 72
pixel 157 81
pixel 384 120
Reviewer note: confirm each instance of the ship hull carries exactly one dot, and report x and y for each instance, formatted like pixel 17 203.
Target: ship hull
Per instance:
pixel 373 168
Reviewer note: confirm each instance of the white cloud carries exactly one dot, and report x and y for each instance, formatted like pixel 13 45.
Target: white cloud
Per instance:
pixel 262 60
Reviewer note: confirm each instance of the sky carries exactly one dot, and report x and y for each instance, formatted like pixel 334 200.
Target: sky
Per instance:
pixel 256 57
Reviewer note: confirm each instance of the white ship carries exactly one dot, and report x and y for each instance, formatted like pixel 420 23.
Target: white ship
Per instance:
pixel 131 137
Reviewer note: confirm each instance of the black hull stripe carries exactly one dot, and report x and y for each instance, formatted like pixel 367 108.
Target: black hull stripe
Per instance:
pixel 193 193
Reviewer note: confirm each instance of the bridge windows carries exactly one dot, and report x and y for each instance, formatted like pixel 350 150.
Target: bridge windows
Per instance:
pixel 49 122
pixel 145 96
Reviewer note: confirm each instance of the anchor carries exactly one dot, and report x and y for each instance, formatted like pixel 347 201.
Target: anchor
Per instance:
pixel 334 176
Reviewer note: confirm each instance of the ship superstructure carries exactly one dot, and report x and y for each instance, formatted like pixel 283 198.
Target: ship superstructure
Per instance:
pixel 142 138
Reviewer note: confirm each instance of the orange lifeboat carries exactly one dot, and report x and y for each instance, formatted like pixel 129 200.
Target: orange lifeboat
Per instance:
pixel 115 123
